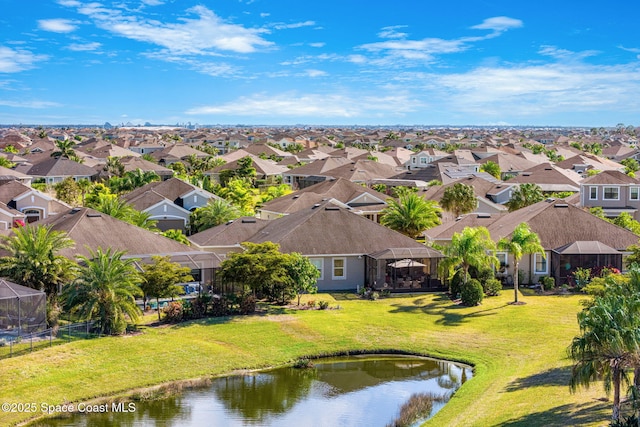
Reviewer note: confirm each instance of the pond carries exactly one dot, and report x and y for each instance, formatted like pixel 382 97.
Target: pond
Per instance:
pixel 348 391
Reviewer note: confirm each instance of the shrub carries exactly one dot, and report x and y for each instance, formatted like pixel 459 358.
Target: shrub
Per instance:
pixel 303 363
pixel 247 304
pixel 548 283
pixel 455 283
pixel 492 287
pixel 220 306
pixel 471 293
pixel 174 312
pixel 582 277
pixel 323 305
pixel 482 275
pixel 311 303
pixel 199 306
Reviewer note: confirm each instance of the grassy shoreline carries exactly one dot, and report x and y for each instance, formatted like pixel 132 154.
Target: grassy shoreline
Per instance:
pixel 521 371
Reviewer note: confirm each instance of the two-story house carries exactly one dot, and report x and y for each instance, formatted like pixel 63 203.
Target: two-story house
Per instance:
pixel 613 191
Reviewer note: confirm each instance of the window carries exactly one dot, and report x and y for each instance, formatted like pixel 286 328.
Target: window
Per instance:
pixel 634 193
pixel 502 257
pixel 541 266
pixel 593 193
pixel 611 193
pixel 423 160
pixel 339 268
pixel 319 264
pixel 413 160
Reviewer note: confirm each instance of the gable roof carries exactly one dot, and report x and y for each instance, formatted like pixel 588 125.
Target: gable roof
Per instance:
pixel 61 167
pixel 610 177
pixel 231 233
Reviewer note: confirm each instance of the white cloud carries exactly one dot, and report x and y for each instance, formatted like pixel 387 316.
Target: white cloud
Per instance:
pixel 392 33
pixel 531 90
pixel 315 73
pixel 416 52
pixel 57 25
pixel 204 35
pixel 564 54
pixel 15 60
pixel 264 15
pixel 153 2
pixel 84 47
pixel 317 44
pixel 282 26
pixel 312 106
pixel 499 24
pixel 29 104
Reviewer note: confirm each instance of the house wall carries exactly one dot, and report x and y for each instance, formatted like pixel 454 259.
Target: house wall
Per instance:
pixel 622 202
pixel 194 201
pixel 32 201
pixel 354 274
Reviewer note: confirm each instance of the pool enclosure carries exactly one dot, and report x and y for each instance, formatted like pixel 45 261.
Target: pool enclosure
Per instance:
pixel 22 310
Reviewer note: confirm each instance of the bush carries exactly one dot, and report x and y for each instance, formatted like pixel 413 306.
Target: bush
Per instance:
pixel 471 293
pixel 199 306
pixel 323 305
pixel 455 283
pixel 482 275
pixel 492 287
pixel 582 277
pixel 247 304
pixel 548 283
pixel 220 306
pixel 311 303
pixel 174 312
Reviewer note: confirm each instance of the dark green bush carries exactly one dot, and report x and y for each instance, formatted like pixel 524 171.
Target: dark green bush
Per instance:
pixel 492 287
pixel 220 306
pixel 455 283
pixel 471 293
pixel 482 275
pixel 247 304
pixel 323 305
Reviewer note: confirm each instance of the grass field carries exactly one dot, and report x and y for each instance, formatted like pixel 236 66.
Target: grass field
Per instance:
pixel 518 352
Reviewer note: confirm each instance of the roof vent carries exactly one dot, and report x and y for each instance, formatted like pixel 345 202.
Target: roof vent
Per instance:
pixel 548 169
pixel 561 205
pixel 317 205
pixel 296 196
pixel 248 220
pixel 331 208
pixel 484 215
pixel 74 211
pixel 94 215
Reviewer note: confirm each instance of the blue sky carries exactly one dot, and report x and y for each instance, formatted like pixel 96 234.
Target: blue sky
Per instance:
pixel 545 63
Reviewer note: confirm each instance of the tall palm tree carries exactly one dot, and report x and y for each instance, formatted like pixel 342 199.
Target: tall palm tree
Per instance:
pixel 33 259
pixel 526 194
pixel 472 247
pixel 411 215
pixel 114 166
pixel 112 205
pixel 522 241
pixel 105 290
pixel 609 343
pixel 142 220
pixel 215 212
pixel 492 168
pixel 459 199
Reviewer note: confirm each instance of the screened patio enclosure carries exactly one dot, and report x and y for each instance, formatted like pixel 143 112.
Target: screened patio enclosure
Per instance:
pixel 22 310
pixel 403 269
pixel 582 254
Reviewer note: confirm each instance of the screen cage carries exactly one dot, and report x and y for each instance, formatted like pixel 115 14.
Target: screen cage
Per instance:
pixel 22 310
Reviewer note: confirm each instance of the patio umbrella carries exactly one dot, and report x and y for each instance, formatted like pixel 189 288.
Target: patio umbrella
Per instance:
pixel 406 263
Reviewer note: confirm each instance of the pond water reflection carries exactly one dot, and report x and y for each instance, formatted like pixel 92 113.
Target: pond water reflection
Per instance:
pixel 350 391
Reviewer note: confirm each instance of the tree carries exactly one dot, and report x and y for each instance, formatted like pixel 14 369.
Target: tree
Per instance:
pixel 525 195
pixel 65 150
pixel 105 290
pixel 33 259
pixel 68 191
pixel 411 215
pixel 303 274
pixel 459 199
pixel 472 247
pixel 160 279
pixel 631 166
pixel 176 235
pixel 114 167
pixel 6 163
pixel 261 268
pixel 491 168
pixel 625 220
pixel 609 341
pixel 113 206
pixel 523 241
pixel 142 219
pixel 240 194
pixel 215 212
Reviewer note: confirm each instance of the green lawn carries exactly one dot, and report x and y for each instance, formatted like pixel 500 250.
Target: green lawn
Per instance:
pixel 521 369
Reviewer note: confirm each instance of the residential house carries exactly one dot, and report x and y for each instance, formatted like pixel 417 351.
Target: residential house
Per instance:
pixel 32 204
pixel 52 170
pixel 613 191
pixel 169 202
pixel 349 251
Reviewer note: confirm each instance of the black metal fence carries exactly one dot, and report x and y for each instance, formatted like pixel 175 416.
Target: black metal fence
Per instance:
pixel 16 345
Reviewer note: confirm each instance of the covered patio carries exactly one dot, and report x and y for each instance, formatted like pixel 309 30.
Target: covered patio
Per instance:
pixel 583 254
pixel 403 269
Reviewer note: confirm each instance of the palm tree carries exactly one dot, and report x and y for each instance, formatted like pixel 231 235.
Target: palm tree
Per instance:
pixel 65 150
pixel 525 195
pixel 609 343
pixel 176 235
pixel 472 247
pixel 522 241
pixel 105 290
pixel 113 206
pixel 459 199
pixel 142 220
pixel 33 259
pixel 114 166
pixel 492 168
pixel 411 215
pixel 215 212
